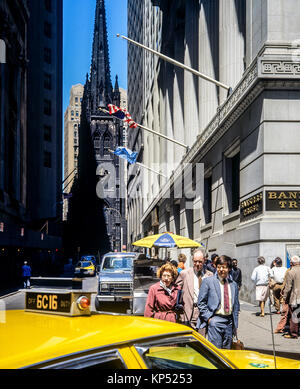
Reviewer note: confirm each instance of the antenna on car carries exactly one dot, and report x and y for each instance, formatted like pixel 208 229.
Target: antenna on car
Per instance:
pixel 272 332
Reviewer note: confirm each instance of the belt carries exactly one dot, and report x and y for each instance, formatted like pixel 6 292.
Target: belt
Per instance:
pixel 225 316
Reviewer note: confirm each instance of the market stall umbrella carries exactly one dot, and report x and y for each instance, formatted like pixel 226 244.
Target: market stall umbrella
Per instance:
pixel 167 240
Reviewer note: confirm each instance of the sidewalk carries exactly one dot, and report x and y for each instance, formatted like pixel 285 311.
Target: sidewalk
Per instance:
pixel 255 332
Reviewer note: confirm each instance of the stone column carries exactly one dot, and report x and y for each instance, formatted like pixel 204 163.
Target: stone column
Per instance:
pixel 208 60
pixel 232 43
pixel 191 118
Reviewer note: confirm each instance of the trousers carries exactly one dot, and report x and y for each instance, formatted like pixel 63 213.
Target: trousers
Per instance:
pixel 220 330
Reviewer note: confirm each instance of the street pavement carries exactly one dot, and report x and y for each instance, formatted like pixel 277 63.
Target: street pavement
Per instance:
pixel 255 332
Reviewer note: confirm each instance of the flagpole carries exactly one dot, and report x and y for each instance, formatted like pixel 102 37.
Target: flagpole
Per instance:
pixel 174 62
pixel 152 131
pixel 144 166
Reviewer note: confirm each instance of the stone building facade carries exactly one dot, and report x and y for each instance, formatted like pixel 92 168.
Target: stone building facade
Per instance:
pixel 247 141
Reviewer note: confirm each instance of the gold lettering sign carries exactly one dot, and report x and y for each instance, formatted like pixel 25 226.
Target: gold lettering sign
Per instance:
pixel 283 200
pixel 48 301
pixel 251 207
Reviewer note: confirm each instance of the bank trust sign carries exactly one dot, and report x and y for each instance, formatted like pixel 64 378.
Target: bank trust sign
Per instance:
pixel 275 201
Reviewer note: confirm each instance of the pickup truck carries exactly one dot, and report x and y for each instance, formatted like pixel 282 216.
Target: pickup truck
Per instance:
pixel 115 278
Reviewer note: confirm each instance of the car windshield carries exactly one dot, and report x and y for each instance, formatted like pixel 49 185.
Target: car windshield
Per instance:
pixel 112 263
pixel 84 264
pixel 179 353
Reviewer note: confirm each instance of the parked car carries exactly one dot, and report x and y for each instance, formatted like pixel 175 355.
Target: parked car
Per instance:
pixel 85 268
pixel 116 278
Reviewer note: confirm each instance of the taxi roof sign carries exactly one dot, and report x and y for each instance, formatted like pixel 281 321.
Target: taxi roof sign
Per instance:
pixel 58 302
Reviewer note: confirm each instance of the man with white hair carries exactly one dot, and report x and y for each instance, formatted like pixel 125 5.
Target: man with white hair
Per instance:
pixel 291 295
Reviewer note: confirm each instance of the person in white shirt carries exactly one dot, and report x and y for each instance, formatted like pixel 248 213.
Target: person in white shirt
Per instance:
pixel 260 276
pixel 277 274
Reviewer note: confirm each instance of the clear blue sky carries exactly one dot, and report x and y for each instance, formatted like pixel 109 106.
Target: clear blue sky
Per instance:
pixel 78 27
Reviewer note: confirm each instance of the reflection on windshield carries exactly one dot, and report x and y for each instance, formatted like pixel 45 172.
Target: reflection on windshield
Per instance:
pixel 84 264
pixel 117 263
pixel 179 353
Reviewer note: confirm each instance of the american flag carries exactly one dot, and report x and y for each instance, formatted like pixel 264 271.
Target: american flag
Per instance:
pixel 121 113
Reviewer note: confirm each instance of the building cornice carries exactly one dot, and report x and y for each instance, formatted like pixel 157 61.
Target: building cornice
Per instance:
pixel 270 70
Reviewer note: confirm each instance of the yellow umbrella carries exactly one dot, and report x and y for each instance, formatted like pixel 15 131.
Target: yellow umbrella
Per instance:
pixel 167 239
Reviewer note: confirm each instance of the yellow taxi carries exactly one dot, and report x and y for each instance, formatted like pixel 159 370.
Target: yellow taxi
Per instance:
pixel 57 330
pixel 85 268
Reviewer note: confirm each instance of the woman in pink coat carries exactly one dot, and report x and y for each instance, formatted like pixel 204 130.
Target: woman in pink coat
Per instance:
pixel 162 296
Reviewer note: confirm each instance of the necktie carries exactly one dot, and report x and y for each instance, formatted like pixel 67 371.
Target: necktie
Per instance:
pixel 226 297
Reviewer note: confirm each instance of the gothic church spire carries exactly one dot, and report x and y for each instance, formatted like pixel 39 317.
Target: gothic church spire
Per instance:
pixel 100 79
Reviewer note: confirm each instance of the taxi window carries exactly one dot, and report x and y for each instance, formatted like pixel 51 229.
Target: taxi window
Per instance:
pixel 86 264
pixel 179 353
pixel 103 360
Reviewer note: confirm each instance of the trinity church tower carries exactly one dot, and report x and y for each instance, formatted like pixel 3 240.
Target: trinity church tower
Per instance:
pixel 100 172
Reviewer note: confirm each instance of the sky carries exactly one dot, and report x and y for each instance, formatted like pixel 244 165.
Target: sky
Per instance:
pixel 78 27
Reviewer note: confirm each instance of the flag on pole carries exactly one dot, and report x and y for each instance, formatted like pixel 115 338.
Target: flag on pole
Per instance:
pixel 127 154
pixel 122 114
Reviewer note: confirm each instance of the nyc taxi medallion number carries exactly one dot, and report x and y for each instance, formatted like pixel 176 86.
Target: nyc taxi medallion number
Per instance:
pixel 49 302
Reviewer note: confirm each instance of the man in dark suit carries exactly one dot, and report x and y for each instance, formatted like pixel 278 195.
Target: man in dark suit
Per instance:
pixel 218 304
pixel 236 273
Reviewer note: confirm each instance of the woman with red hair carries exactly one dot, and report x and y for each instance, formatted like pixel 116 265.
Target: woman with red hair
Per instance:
pixel 162 296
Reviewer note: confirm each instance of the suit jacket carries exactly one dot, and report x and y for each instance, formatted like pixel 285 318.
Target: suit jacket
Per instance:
pixel 291 290
pixel 209 300
pixel 185 281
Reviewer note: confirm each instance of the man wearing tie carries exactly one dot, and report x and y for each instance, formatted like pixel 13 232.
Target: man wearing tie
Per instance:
pixel 218 304
pixel 189 281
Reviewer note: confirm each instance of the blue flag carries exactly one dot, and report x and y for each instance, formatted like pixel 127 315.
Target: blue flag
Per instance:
pixel 127 154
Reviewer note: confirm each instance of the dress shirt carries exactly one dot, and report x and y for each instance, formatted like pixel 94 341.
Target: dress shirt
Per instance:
pixel 221 310
pixel 260 275
pixel 278 273
pixel 196 287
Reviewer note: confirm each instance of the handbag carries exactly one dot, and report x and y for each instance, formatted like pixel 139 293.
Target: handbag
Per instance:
pixel 272 283
pixel 237 344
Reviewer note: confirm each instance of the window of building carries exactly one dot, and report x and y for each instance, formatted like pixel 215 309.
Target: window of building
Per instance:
pixel 77 113
pixel 75 134
pixel 75 141
pixel 232 181
pixel 47 81
pixel 48 5
pixel 97 143
pixel 47 133
pixel 207 199
pixel 47 107
pixel 106 143
pixel 47 55
pixel 47 159
pixel 47 29
pixel 72 113
pixel 76 99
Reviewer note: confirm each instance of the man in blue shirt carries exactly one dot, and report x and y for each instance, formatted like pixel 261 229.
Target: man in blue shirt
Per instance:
pixel 26 272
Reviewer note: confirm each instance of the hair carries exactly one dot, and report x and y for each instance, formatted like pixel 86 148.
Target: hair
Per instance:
pixel 213 256
pixel 182 258
pixel 167 267
pixel 261 260
pixel 295 259
pixel 278 261
pixel 199 251
pixel 224 259
pixel 174 263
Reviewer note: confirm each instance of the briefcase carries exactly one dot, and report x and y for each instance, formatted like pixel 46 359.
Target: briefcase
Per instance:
pixel 237 344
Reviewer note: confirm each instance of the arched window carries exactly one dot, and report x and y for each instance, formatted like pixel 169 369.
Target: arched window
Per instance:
pixel 107 143
pixel 97 142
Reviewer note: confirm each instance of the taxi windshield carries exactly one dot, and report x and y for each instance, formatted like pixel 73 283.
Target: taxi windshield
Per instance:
pixel 85 264
pixel 179 353
pixel 117 263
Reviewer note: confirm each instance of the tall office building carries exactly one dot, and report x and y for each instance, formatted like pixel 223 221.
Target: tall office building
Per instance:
pixel 246 139
pixel 71 142
pixel 31 135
